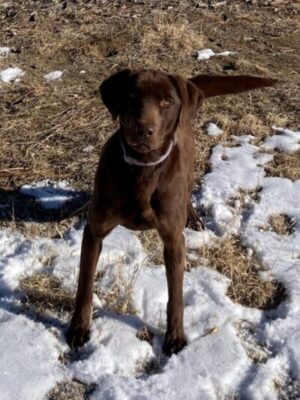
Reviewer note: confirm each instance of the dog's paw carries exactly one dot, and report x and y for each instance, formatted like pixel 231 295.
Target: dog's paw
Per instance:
pixel 194 222
pixel 77 335
pixel 173 345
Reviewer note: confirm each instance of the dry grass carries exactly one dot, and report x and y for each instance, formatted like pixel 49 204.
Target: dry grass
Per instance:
pixel 67 391
pixel 285 165
pixel 145 334
pixel 118 298
pixel 45 127
pixel 166 36
pixel 45 294
pixel 73 390
pixel 153 245
pixel 282 224
pixel 287 388
pixel 231 259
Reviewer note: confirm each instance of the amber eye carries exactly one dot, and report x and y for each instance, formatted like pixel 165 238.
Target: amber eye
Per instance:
pixel 166 102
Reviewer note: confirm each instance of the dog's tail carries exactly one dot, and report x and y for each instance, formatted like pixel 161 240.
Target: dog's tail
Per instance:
pixel 218 85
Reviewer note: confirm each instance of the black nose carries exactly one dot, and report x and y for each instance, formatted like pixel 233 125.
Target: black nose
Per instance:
pixel 146 131
pixel 150 131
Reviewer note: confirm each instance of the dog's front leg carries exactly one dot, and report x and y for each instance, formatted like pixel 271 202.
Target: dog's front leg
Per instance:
pixel 78 332
pixel 174 256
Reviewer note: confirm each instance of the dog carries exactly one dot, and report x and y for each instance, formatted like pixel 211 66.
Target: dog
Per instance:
pixel 145 178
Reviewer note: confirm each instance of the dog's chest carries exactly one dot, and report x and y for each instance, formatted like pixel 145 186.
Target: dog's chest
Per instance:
pixel 137 212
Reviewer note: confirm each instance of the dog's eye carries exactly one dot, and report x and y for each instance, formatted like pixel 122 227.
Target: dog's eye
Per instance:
pixel 166 102
pixel 133 95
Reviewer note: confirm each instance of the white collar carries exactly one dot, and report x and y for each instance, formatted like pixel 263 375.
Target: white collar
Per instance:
pixel 132 161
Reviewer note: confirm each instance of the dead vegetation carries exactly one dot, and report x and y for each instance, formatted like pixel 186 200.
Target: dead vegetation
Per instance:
pixel 287 388
pixel 153 245
pixel 45 294
pixel 282 224
pixel 285 165
pixel 145 334
pixel 73 390
pixel 228 257
pixel 66 117
pixel 67 391
pixel 118 298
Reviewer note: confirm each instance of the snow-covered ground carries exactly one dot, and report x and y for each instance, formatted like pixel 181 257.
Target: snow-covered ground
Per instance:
pixel 216 363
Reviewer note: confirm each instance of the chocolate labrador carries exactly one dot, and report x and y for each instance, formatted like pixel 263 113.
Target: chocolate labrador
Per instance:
pixel 145 177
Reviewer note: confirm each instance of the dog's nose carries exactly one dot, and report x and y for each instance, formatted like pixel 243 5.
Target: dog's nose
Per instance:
pixel 146 131
pixel 150 131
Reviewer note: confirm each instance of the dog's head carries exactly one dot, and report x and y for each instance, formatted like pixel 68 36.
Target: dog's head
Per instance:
pixel 151 104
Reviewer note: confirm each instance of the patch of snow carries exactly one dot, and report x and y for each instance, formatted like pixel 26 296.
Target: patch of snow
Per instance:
pixel 49 194
pixel 54 75
pixel 29 359
pixel 206 54
pixel 243 139
pixel 233 169
pixel 186 376
pixel 285 140
pixel 10 74
pixel 4 51
pixel 213 130
pixel 196 240
pixel 117 337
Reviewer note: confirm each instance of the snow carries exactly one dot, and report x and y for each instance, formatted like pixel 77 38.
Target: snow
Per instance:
pixel 213 130
pixel 49 194
pixel 216 362
pixel 4 51
pixel 29 359
pixel 53 76
pixel 10 74
pixel 285 140
pixel 206 54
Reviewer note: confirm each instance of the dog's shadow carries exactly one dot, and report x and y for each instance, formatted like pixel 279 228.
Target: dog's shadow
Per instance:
pixel 41 204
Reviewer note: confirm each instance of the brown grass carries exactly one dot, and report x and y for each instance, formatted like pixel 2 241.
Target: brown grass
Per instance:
pixel 145 334
pixel 285 165
pixel 282 224
pixel 45 294
pixel 46 126
pixel 67 391
pixel 229 258
pixel 153 245
pixel 287 388
pixel 166 36
pixel 73 390
pixel 118 298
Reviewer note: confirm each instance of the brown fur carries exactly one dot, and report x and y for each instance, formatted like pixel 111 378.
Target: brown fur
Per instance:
pixel 151 107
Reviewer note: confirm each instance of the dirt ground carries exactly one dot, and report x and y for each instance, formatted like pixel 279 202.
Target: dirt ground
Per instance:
pixel 45 127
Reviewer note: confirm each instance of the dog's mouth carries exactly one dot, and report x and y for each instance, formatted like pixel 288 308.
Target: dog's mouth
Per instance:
pixel 141 147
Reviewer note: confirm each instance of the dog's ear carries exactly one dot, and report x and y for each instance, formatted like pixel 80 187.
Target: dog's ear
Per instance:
pixel 191 97
pixel 218 85
pixel 112 91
